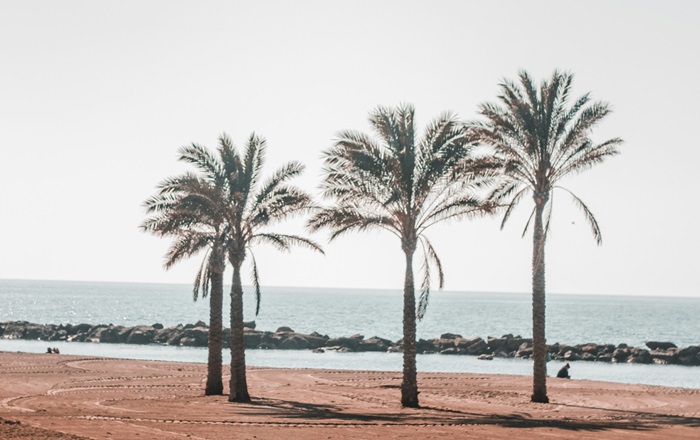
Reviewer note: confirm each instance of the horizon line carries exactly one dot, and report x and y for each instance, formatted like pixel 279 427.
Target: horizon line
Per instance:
pixel 448 291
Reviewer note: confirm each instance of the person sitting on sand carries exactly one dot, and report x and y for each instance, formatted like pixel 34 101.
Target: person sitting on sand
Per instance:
pixel 49 350
pixel 564 372
pixel 55 350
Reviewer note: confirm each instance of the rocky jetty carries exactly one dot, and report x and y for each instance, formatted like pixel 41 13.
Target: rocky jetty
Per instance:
pixel 284 338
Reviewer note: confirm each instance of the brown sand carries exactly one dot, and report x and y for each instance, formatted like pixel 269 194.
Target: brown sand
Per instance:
pixel 59 396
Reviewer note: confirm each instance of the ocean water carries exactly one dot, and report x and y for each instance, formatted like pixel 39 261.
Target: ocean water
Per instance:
pixel 571 319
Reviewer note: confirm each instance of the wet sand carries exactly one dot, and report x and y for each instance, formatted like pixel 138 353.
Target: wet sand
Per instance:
pixel 61 396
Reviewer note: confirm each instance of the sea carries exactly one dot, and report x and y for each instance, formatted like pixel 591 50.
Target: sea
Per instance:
pixel 571 319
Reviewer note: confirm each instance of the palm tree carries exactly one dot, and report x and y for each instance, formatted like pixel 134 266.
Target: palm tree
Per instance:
pixel 404 186
pixel 249 208
pixel 540 140
pixel 188 208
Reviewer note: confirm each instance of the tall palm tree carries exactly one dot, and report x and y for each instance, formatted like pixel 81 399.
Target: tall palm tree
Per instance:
pixel 188 208
pixel 403 185
pixel 251 206
pixel 542 139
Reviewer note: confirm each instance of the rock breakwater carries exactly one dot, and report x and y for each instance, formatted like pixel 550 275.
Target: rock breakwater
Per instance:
pixel 284 338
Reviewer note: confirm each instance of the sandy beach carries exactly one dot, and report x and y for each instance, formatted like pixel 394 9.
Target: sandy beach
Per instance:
pixel 69 397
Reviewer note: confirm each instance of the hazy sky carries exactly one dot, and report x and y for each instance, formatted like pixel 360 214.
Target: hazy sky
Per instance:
pixel 96 98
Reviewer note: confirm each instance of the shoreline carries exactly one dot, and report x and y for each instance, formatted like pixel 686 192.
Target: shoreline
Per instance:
pixel 285 338
pixel 115 398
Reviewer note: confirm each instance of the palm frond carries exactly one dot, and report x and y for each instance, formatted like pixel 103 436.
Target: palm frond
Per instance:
pixel 512 204
pixel 342 220
pixel 429 256
pixel 202 158
pixel 256 283
pixel 527 224
pixel 185 245
pixel 200 281
pixel 595 229
pixel 284 242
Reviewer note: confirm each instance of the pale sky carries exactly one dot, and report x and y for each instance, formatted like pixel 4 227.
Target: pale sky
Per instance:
pixel 96 98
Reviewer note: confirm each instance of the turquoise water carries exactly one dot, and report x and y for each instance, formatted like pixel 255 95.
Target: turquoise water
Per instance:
pixel 342 312
pixel 571 319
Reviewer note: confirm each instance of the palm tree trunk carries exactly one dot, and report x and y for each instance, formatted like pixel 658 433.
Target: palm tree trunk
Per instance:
pixel 215 385
pixel 238 387
pixel 409 386
pixel 539 350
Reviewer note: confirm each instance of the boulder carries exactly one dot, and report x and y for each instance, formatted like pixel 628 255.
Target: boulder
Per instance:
pixel 95 333
pixel 477 346
pixel 564 348
pixel 655 345
pixel 284 329
pixel 524 351
pixel 166 335
pixel 553 349
pixel 249 324
pixel 270 340
pixel 639 356
pixel 191 337
pixel 450 336
pixel 13 330
pixel 689 351
pixel 374 343
pixel 349 343
pixel 141 335
pixel 621 354
pixel 485 357
pixel 642 358
pixel 607 349
pixel 668 356
pixel 689 355
pixel 252 338
pixel 572 355
pixel 59 335
pixel 424 346
pixel 445 343
pixel 315 341
pixel 495 343
pixel 589 348
pixel 79 328
pixel 294 342
pixel 78 337
pixel 110 335
pixel 515 343
pixel 124 333
pixel 586 356
pixel 502 353
pixel 157 326
pixel 451 350
pixel 604 358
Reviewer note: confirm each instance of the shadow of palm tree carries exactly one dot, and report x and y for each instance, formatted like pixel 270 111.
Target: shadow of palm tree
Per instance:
pixel 328 414
pixel 648 417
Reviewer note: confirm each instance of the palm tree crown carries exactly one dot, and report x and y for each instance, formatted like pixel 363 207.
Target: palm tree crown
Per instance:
pixel 249 207
pixel 224 210
pixel 188 209
pixel 540 139
pixel 403 185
